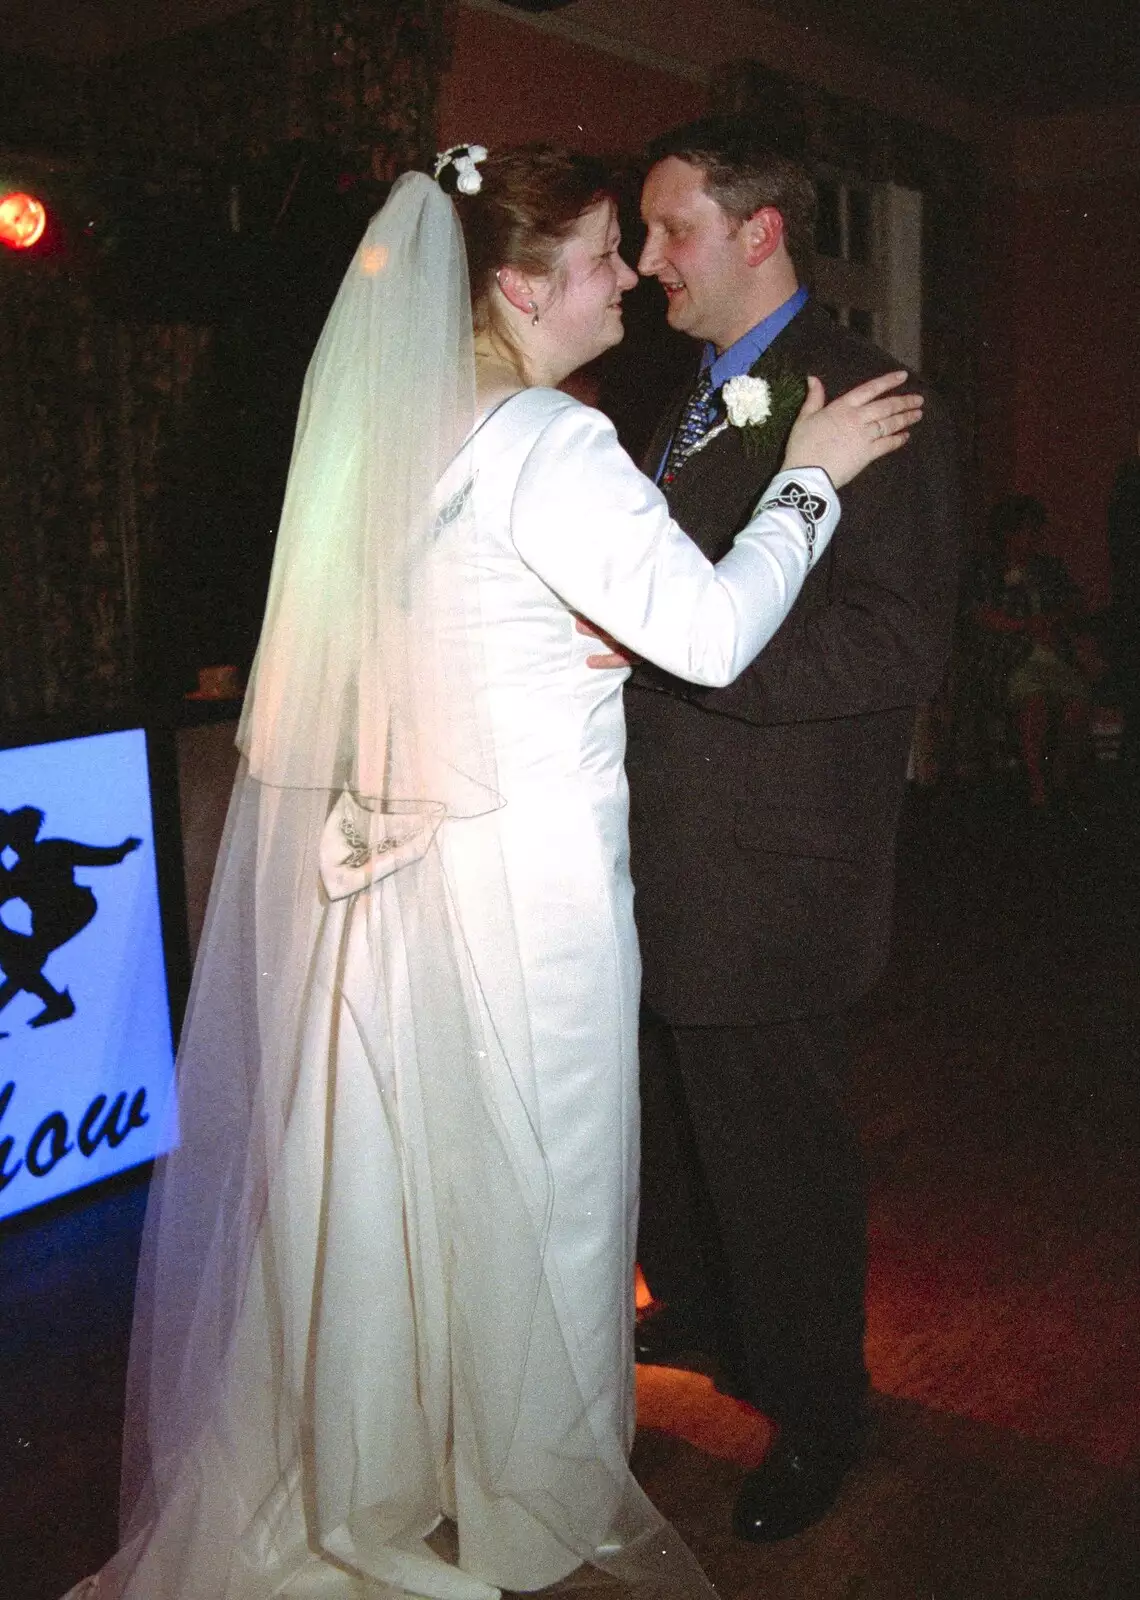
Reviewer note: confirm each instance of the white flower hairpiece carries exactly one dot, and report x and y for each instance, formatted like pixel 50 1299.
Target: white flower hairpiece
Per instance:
pixel 465 159
pixel 748 401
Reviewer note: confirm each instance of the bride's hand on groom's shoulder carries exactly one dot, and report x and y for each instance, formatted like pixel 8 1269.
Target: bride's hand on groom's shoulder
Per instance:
pixel 860 426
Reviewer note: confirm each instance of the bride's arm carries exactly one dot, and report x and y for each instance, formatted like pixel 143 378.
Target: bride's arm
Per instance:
pixel 599 533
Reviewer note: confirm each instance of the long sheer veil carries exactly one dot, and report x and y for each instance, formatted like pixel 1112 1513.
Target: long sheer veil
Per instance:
pixel 356 1193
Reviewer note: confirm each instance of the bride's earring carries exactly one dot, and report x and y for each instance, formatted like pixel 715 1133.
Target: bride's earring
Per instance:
pixel 531 305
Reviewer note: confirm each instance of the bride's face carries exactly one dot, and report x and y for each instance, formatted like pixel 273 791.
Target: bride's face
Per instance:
pixel 582 308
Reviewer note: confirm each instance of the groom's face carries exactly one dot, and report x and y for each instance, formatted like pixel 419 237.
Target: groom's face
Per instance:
pixel 697 252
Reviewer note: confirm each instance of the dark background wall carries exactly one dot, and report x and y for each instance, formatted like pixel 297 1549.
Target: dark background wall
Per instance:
pixel 1073 304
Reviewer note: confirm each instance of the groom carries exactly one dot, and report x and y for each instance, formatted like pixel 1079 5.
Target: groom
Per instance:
pixel 763 827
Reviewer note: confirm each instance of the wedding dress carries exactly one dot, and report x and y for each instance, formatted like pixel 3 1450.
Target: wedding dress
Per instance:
pixel 396 1278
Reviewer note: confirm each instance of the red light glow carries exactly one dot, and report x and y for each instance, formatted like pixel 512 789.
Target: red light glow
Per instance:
pixel 22 220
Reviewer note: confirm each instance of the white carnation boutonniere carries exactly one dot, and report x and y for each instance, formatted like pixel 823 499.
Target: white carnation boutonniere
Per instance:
pixel 755 405
pixel 748 401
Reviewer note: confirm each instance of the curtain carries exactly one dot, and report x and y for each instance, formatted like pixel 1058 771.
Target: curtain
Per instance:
pixel 117 342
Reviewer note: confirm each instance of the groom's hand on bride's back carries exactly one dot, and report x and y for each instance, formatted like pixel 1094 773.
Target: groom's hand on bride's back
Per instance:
pixel 616 655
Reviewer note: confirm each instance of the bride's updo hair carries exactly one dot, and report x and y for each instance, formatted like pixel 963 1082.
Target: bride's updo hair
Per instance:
pixel 529 199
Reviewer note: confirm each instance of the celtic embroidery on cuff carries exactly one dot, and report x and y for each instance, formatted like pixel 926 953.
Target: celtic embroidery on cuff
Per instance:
pixel 813 508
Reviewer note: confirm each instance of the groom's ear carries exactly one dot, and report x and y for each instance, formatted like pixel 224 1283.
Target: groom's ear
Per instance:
pixel 763 235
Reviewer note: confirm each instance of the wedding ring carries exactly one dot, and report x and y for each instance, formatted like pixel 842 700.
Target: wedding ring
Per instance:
pixel 880 429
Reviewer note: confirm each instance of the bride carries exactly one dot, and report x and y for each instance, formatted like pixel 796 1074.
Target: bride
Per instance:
pixel 383 1331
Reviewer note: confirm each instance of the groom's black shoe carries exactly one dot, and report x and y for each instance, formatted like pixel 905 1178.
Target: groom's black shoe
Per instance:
pixel 797 1483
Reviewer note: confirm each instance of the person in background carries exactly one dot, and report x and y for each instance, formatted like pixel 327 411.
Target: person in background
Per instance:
pixel 1124 563
pixel 1025 601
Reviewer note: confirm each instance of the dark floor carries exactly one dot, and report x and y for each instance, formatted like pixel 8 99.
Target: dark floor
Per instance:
pixel 997 1091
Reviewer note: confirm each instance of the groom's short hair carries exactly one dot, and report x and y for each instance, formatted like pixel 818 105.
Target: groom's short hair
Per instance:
pixel 743 173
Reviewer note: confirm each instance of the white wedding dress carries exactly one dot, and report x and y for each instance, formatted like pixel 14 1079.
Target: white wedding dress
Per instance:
pixel 380 1379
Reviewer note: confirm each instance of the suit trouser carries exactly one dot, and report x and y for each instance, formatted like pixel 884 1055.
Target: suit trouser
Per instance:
pixel 754 1194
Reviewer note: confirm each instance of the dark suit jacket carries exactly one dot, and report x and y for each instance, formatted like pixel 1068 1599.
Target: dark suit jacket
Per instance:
pixel 763 815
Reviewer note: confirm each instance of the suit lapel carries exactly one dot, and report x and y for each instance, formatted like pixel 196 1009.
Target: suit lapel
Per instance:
pixel 716 488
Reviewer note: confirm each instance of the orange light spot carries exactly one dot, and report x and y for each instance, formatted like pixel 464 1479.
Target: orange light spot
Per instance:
pixel 22 220
pixel 373 259
pixel 686 1406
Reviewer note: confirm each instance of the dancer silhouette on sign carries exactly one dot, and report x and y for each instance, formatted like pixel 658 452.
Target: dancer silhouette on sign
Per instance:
pixel 40 872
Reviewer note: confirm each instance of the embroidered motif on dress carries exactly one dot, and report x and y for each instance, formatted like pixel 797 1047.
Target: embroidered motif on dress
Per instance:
pixel 811 507
pixel 453 507
pixel 360 850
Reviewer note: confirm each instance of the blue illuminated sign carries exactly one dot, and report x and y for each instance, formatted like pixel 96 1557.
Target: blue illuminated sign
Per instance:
pixel 86 1055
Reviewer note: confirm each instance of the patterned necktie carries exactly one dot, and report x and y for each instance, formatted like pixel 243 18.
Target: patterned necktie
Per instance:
pixel 696 420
